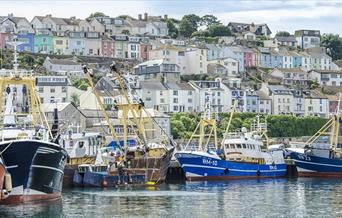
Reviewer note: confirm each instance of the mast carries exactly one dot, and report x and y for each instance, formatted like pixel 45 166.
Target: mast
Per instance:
pixel 104 112
pixel 235 102
pixel 333 125
pixel 206 128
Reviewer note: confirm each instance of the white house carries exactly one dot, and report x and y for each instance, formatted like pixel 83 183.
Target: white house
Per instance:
pixel 282 98
pixel 291 76
pixel 316 104
pixel 18 25
pixel 182 97
pixel 326 77
pixel 63 67
pixel 55 89
pixel 308 38
pixel 220 95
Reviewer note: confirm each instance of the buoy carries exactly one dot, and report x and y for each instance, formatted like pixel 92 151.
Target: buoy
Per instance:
pixel 104 183
pixel 8 182
pixel 151 183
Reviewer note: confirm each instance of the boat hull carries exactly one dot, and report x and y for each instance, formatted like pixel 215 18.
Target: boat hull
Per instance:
pixel 204 167
pixel 36 169
pixel 314 166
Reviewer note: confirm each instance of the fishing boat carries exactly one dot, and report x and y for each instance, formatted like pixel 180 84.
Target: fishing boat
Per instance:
pixel 322 153
pixel 239 156
pixel 34 163
pixel 130 157
pixel 82 148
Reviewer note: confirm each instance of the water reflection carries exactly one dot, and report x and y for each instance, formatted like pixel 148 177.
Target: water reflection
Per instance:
pixel 239 198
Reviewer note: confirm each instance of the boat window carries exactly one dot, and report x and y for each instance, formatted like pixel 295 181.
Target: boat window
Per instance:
pixel 253 146
pixel 238 145
pixel 244 146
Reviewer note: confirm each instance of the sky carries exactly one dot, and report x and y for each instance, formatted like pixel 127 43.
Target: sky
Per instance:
pixel 279 15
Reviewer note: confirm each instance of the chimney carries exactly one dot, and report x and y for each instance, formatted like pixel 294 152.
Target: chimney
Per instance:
pixel 165 16
pixel 48 15
pixel 10 15
pixel 145 16
pixel 73 18
pixel 140 16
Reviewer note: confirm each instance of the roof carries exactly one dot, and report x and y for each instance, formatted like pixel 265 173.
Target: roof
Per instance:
pixel 154 62
pixel 263 95
pixel 151 85
pixel 279 88
pixel 315 94
pixel 63 62
pixel 307 33
pixel 327 71
pixel 50 107
pixel 292 70
pixel 179 86
pixel 338 63
pixel 286 38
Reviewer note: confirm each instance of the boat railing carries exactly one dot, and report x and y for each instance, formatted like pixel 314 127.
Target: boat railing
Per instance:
pixel 233 135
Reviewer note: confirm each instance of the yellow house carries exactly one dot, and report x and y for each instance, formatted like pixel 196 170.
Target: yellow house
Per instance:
pixel 61 44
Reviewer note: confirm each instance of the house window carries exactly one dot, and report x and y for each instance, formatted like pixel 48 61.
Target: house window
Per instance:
pixel 175 108
pixel 41 89
pixel 52 90
pixel 189 100
pixel 189 92
pixel 175 92
pixel 161 93
pixel 175 100
pixel 162 100
pixel 64 89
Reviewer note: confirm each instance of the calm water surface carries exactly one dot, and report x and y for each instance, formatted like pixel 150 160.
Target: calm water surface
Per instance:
pixel 243 198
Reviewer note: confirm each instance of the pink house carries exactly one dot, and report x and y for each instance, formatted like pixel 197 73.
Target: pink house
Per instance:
pixel 4 37
pixel 107 46
pixel 145 48
pixel 248 57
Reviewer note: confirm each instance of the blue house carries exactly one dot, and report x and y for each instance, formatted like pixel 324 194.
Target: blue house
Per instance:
pixel 265 57
pixel 213 52
pixel 276 59
pixel 239 55
pixel 296 59
pixel 26 42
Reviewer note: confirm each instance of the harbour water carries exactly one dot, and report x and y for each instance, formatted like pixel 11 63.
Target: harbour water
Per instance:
pixel 302 197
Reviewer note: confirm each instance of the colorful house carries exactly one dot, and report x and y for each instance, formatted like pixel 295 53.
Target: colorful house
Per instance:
pixel 145 48
pixel 265 57
pixel 77 43
pixel 43 43
pixel 276 59
pixel 239 55
pixel 4 37
pixel 248 57
pixel 296 59
pixel 107 46
pixel 121 46
pixel 26 42
pixel 61 44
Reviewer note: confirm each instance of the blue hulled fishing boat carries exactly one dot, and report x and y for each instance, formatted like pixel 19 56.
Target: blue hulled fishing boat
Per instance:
pixel 322 155
pixel 239 156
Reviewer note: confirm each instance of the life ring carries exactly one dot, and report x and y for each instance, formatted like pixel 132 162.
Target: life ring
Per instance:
pixel 258 173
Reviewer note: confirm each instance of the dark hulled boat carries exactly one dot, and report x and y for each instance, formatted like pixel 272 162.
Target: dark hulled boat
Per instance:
pixel 36 168
pixel 34 163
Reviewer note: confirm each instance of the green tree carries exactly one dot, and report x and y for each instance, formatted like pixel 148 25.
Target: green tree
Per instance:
pixel 173 31
pixel 194 19
pixel 94 15
pixel 333 43
pixel 282 33
pixel 208 20
pixel 75 99
pixel 219 30
pixel 186 28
